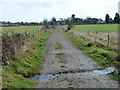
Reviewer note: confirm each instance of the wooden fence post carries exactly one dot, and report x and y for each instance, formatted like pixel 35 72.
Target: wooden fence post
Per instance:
pixel 29 34
pixel 108 40
pixel 96 38
pixel 38 31
pixel 33 33
pixel 88 34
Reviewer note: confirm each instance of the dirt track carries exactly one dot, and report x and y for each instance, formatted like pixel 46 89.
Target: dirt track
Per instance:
pixel 69 59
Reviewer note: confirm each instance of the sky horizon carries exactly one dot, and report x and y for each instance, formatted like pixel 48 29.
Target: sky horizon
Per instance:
pixel 37 10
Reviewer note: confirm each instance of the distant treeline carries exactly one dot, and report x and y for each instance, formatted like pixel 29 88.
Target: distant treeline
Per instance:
pixel 9 24
pixel 64 21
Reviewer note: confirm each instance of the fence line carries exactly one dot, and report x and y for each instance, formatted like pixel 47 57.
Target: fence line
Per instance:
pixel 14 42
pixel 109 40
pixel 96 38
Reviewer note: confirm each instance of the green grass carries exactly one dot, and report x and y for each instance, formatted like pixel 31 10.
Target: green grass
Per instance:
pixel 46 51
pixel 59 54
pixel 62 66
pixel 63 61
pixel 26 64
pixel 103 55
pixel 105 28
pixel 20 29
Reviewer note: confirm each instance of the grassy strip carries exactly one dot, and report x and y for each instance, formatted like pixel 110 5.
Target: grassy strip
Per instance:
pixel 98 52
pixel 26 64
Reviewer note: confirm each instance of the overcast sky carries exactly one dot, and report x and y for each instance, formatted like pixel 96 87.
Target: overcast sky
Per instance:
pixel 37 10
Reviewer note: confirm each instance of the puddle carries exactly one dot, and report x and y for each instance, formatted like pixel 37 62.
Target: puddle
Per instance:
pixel 46 77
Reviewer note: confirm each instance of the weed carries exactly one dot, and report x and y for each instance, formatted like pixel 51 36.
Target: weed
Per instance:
pixel 58 45
pixel 61 56
pixel 63 61
pixel 46 51
pixel 62 66
pixel 117 76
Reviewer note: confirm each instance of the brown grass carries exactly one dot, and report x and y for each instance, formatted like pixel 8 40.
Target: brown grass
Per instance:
pixel 101 38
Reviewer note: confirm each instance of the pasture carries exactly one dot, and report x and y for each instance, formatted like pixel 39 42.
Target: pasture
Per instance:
pixel 99 33
pixel 20 29
pixel 104 28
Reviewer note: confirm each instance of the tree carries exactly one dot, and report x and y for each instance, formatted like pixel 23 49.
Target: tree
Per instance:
pixel 116 18
pixel 46 25
pixel 107 18
pixel 61 21
pixel 89 20
pixel 69 23
pixel 73 18
pixel 53 22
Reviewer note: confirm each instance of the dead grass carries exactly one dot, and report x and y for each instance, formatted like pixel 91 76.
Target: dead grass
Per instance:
pixel 101 38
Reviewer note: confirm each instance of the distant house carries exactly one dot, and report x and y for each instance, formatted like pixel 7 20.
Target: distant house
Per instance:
pixel 100 21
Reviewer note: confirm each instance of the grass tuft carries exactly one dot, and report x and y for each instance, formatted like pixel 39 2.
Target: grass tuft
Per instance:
pixel 58 45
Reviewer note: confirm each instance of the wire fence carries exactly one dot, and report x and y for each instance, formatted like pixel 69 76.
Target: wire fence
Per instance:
pixel 109 40
pixel 12 43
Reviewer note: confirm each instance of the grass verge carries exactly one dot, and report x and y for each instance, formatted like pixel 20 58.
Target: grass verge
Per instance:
pixel 26 64
pixel 0 77
pixel 98 52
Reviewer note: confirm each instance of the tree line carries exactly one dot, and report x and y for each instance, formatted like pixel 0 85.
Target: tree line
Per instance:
pixel 116 19
pixel 65 21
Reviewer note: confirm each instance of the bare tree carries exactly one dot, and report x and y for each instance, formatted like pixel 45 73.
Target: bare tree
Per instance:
pixel 45 25
pixel 53 22
pixel 69 23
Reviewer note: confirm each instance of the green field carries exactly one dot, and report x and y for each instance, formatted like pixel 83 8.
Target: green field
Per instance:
pixel 20 29
pixel 105 28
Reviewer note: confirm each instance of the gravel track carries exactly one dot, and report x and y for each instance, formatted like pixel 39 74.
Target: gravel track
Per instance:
pixel 71 60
